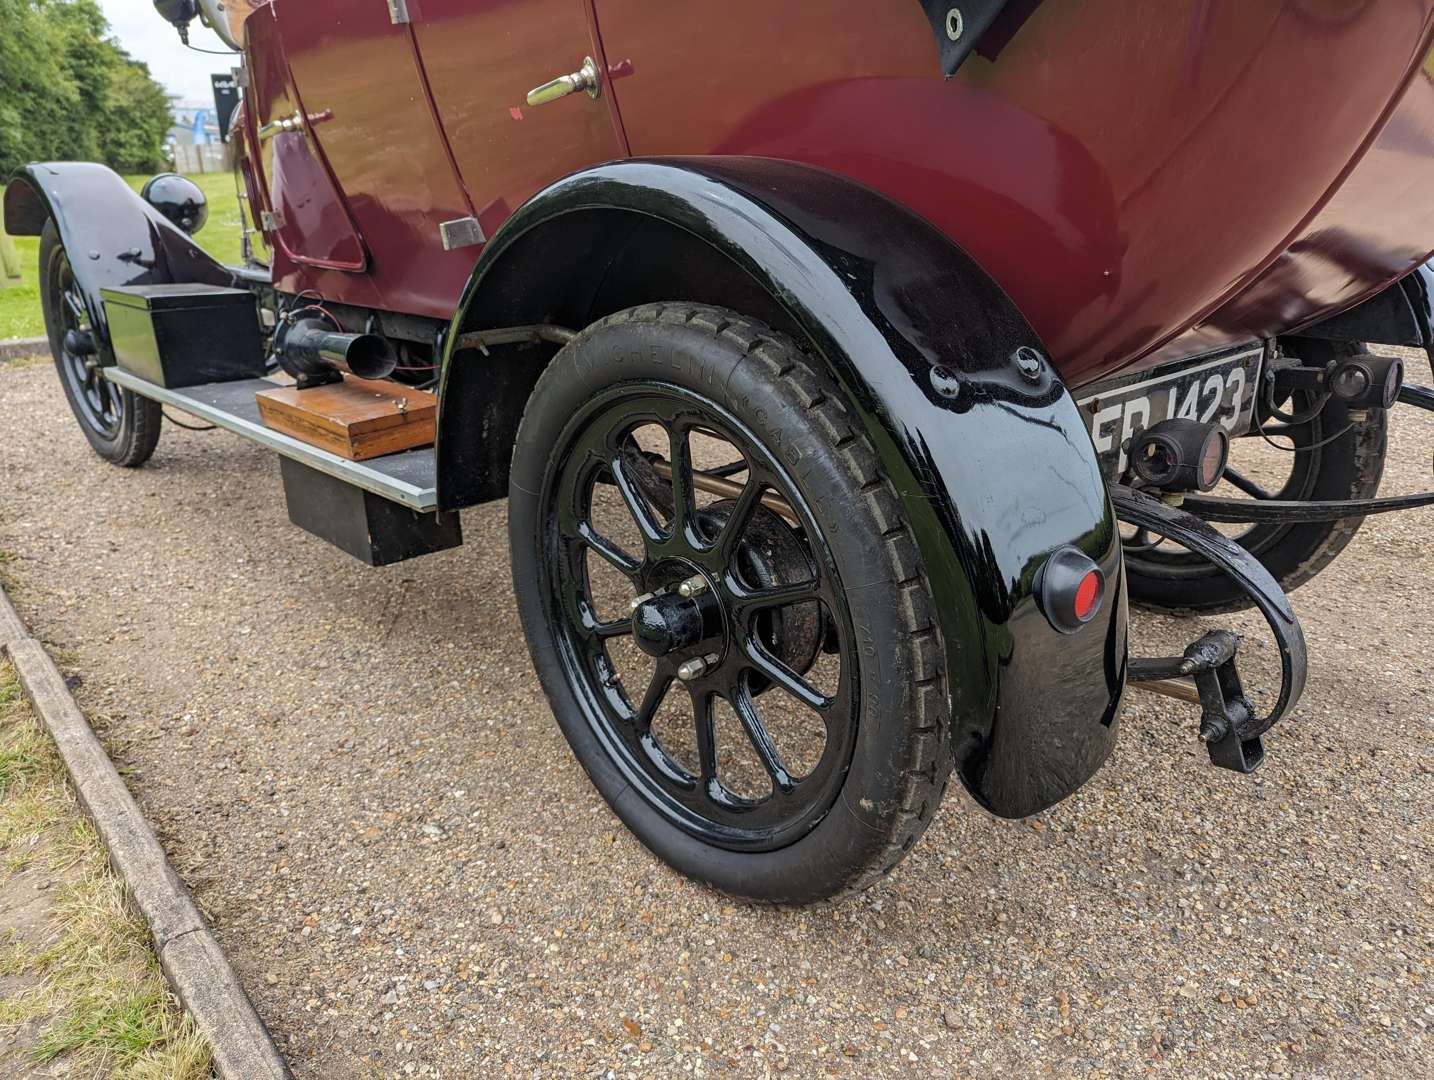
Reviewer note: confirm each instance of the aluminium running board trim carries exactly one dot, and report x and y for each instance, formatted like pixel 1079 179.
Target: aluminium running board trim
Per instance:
pixel 361 474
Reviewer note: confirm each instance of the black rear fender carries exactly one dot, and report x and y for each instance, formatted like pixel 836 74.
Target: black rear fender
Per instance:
pixel 112 236
pixel 993 463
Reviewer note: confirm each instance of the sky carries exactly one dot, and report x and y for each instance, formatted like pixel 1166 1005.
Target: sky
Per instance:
pixel 145 36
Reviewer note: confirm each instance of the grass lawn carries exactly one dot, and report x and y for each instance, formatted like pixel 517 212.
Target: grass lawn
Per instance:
pixel 20 304
pixel 84 990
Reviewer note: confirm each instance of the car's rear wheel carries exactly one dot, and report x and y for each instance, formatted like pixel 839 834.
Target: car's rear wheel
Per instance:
pixel 122 427
pixel 725 606
pixel 1331 456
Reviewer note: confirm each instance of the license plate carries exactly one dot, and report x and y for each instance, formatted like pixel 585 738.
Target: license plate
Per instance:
pixel 1213 390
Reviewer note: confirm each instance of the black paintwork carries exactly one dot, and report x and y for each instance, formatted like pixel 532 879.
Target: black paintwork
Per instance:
pixel 112 236
pixel 1421 397
pixel 1224 708
pixel 995 466
pixel 957 26
pixel 1249 573
pixel 179 199
pixel 367 526
pixel 1281 511
pixel 184 335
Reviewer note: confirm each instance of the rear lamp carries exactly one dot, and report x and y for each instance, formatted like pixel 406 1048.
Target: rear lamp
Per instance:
pixel 1367 382
pixel 1069 589
pixel 1180 455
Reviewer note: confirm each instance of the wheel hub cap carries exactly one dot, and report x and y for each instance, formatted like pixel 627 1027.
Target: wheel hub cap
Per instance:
pixel 668 623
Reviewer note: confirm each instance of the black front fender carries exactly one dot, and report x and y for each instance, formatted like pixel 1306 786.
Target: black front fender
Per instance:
pixel 990 455
pixel 112 236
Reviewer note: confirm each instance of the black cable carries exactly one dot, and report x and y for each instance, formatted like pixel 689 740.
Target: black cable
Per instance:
pixel 187 427
pixel 1297 449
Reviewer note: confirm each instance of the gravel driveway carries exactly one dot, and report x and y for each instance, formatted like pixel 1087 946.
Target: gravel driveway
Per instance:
pixel 359 776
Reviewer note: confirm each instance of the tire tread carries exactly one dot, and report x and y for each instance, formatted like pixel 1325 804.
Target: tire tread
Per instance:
pixel 928 759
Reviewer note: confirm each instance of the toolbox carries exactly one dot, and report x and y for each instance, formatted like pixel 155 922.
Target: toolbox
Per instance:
pixel 357 419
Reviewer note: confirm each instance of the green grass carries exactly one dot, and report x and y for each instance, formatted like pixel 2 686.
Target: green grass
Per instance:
pixel 20 304
pixel 96 992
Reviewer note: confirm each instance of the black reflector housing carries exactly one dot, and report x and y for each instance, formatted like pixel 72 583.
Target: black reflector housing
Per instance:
pixel 1070 589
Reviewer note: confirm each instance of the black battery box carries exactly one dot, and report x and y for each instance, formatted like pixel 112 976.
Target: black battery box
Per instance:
pixel 185 335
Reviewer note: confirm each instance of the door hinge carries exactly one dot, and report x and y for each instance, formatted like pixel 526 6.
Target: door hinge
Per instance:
pixel 270 222
pixel 464 232
pixel 398 11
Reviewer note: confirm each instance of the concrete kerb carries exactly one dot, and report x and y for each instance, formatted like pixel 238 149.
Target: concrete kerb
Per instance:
pixel 189 955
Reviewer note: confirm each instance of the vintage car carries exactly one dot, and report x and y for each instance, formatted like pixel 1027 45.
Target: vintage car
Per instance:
pixel 846 367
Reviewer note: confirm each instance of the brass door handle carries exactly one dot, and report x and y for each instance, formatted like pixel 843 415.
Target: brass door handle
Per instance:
pixel 585 78
pixel 292 123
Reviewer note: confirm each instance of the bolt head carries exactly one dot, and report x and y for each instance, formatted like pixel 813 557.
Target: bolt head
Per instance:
pixel 690 669
pixel 693 586
pixel 1028 363
pixel 945 381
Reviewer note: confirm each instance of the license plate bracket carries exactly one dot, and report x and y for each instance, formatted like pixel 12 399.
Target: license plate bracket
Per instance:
pixel 1214 388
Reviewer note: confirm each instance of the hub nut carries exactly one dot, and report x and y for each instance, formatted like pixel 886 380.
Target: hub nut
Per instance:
pixel 693 586
pixel 691 669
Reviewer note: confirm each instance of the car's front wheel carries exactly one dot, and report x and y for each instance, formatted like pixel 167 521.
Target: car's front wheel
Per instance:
pixel 122 427
pixel 725 605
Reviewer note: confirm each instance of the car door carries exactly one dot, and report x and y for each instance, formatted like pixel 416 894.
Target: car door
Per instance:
pixel 361 94
pixel 481 58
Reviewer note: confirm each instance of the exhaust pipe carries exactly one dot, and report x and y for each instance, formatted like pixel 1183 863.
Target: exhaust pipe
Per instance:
pixel 309 348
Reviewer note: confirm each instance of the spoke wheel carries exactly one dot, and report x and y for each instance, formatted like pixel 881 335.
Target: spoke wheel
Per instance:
pixel 122 427
pixel 718 648
pixel 691 513
pixel 1327 457
pixel 100 402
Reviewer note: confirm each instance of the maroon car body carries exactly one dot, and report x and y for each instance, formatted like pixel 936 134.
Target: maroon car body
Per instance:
pixel 1146 181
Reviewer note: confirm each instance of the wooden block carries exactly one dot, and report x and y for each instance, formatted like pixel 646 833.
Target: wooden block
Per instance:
pixel 357 418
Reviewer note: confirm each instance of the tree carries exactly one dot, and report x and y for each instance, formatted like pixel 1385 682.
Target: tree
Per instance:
pixel 69 92
pixel 137 118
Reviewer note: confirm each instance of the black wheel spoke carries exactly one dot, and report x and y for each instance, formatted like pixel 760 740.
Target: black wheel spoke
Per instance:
pixel 766 664
pixel 705 730
pixel 608 551
pixel 97 403
pixel 747 602
pixel 652 700
pixel 684 504
pixel 737 521
pixel 605 631
pixel 1245 484
pixel 637 506
pixel 110 394
pixel 742 704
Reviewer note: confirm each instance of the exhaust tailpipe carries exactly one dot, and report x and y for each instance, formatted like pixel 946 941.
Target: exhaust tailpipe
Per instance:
pixel 309 347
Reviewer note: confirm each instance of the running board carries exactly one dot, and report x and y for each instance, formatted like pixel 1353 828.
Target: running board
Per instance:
pixel 409 479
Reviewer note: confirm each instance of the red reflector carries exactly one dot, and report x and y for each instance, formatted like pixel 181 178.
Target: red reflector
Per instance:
pixel 1087 596
pixel 1069 589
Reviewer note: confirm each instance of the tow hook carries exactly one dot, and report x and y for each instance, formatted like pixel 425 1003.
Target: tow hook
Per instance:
pixel 1224 708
